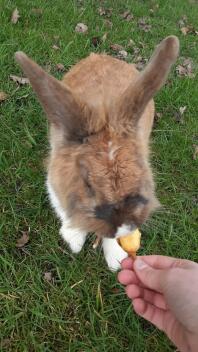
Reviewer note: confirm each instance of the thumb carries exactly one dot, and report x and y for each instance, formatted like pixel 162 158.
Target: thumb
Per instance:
pixel 150 277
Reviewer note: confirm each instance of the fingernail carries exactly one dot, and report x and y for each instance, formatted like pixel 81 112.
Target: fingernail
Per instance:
pixel 140 264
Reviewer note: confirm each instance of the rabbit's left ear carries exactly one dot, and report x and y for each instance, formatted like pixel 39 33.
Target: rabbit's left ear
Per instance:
pixel 58 101
pixel 134 100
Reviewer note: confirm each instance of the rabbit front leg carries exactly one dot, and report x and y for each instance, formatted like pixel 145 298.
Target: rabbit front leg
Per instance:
pixel 74 237
pixel 113 253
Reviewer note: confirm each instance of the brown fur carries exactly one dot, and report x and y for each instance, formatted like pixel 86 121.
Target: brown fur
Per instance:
pixel 101 117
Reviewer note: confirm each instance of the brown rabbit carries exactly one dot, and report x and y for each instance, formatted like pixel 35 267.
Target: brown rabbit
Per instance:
pixel 101 115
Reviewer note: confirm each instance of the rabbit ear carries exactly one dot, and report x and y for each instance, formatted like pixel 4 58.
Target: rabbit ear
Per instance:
pixel 137 95
pixel 57 100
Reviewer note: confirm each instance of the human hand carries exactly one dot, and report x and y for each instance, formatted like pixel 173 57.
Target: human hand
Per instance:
pixel 164 291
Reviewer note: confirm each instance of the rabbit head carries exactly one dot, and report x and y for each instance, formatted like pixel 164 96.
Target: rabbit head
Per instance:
pixel 101 116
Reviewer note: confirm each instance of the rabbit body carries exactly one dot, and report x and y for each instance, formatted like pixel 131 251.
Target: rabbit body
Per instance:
pixel 101 114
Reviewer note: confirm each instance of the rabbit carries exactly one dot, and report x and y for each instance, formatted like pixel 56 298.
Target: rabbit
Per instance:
pixel 101 114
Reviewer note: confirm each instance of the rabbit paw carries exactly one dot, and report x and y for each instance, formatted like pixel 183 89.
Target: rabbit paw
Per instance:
pixel 113 253
pixel 74 237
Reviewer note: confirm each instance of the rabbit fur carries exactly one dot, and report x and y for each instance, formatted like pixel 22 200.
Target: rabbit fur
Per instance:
pixel 101 114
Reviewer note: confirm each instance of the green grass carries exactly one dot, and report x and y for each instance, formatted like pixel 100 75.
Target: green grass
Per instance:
pixel 84 308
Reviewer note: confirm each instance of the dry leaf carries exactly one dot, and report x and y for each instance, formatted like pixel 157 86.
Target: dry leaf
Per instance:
pixel 96 41
pixel 20 80
pixel 108 24
pixel 122 54
pixel 3 96
pixel 105 12
pixel 195 151
pixel 131 43
pixel 144 25
pixel 182 22
pixel 104 37
pixel 158 116
pixel 178 115
pixel 81 28
pixel 184 30
pixel 15 16
pixel 127 16
pixel 140 62
pixel 136 50
pixel 23 240
pixel 101 11
pixel 60 67
pixel 116 47
pixel 186 69
pixel 48 276
pixel 182 109
pixel 55 47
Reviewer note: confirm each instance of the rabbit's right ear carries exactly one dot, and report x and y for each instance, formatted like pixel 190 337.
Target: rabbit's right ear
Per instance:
pixel 57 100
pixel 135 98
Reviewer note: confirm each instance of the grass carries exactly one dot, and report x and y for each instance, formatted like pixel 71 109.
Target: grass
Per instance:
pixel 84 308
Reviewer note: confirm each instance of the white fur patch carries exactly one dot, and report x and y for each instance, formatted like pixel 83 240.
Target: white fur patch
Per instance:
pixel 55 202
pixel 74 237
pixel 113 253
pixel 124 230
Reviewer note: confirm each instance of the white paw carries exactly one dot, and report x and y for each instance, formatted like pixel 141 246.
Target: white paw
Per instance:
pixel 74 237
pixel 113 253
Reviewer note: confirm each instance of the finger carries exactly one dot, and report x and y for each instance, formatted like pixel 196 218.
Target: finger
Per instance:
pixel 156 299
pixel 126 277
pixel 149 312
pixel 127 263
pixel 164 262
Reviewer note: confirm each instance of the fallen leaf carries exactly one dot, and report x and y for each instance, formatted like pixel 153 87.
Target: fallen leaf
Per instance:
pixel 96 41
pixel 81 28
pixel 104 37
pixel 105 12
pixel 127 16
pixel 20 80
pixel 122 54
pixel 48 276
pixel 36 11
pixel 140 62
pixel 184 30
pixel 182 109
pixel 189 30
pixel 182 22
pixel 178 115
pixel 186 68
pixel 131 43
pixel 116 47
pixel 136 50
pixel 55 47
pixel 3 96
pixel 144 25
pixel 195 151
pixel 101 11
pixel 60 67
pixel 108 24
pixel 23 240
pixel 15 16
pixel 157 116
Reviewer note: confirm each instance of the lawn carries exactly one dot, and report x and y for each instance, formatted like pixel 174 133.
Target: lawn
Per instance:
pixel 80 306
